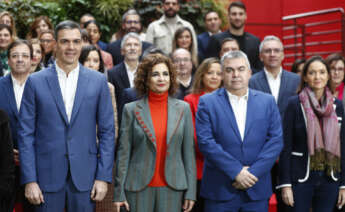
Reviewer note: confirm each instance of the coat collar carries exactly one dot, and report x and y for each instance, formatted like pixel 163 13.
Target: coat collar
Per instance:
pixel 224 100
pixel 143 117
pixel 54 86
pixel 10 93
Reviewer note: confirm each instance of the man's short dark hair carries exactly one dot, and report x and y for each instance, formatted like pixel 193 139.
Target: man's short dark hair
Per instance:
pixel 66 25
pixel 229 39
pixel 239 4
pixel 210 11
pixel 18 42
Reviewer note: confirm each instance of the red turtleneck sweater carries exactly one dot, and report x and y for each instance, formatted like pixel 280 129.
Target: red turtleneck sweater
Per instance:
pixel 158 104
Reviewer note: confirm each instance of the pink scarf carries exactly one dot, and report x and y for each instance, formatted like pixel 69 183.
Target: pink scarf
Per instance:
pixel 327 137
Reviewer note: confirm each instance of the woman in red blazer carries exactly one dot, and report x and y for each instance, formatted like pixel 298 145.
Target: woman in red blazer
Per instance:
pixel 207 78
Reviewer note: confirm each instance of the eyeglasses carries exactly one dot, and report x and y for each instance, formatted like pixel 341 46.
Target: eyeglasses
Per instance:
pixel 340 69
pixel 46 40
pixel 275 51
pixel 17 55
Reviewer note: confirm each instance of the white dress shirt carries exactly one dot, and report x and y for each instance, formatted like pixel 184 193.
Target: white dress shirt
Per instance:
pixel 239 107
pixel 18 91
pixel 68 85
pixel 131 74
pixel 274 83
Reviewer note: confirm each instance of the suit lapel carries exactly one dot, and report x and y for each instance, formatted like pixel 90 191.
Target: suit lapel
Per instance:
pixel 80 92
pixel 10 94
pixel 250 111
pixel 283 86
pixel 264 83
pixel 124 76
pixel 224 100
pixel 54 86
pixel 143 116
pixel 175 114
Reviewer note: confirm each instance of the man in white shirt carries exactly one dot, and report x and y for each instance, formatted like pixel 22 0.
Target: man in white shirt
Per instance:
pixel 12 86
pixel 122 75
pixel 240 135
pixel 274 80
pixel 161 32
pixel 66 131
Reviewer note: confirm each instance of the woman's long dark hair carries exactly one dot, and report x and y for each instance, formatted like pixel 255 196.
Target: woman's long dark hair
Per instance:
pixel 85 51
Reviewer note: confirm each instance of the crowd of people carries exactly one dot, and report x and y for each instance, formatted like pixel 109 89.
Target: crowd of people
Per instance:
pixel 165 119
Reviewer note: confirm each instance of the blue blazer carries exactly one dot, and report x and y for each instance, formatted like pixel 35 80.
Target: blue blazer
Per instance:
pixel 50 146
pixel 9 105
pixel 203 39
pixel 224 151
pixel 294 159
pixel 288 86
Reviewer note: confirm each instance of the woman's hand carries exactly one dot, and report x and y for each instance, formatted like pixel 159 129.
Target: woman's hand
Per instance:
pixel 287 196
pixel 188 205
pixel 341 198
pixel 118 206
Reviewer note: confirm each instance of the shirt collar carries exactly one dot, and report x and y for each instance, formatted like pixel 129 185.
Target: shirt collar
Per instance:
pixel 16 82
pixel 63 73
pixel 210 33
pixel 128 68
pixel 178 19
pixel 270 76
pixel 234 97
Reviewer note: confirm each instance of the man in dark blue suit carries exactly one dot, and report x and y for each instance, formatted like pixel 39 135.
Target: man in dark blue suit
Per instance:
pixel 130 23
pixel 12 87
pixel 273 79
pixel 240 136
pixel 66 131
pixel 212 25
pixel 276 81
pixel 122 75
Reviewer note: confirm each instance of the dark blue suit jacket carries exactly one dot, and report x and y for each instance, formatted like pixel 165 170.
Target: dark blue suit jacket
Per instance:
pixel 224 151
pixel 9 105
pixel 114 49
pixel 50 146
pixel 288 87
pixel 293 161
pixel 119 78
pixel 203 39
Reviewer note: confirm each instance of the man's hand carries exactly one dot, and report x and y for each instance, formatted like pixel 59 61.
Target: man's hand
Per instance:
pixel 118 205
pixel 341 198
pixel 245 179
pixel 287 196
pixel 16 156
pixel 188 205
pixel 99 190
pixel 33 193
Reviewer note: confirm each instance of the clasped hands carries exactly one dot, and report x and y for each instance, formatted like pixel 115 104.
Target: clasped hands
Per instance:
pixel 244 179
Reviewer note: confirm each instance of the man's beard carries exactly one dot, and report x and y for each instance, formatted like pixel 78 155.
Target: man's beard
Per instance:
pixel 169 15
pixel 236 27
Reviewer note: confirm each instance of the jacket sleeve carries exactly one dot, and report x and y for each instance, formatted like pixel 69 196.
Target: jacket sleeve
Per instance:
pixel 189 155
pixel 26 134
pixel 284 165
pixel 123 154
pixel 105 134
